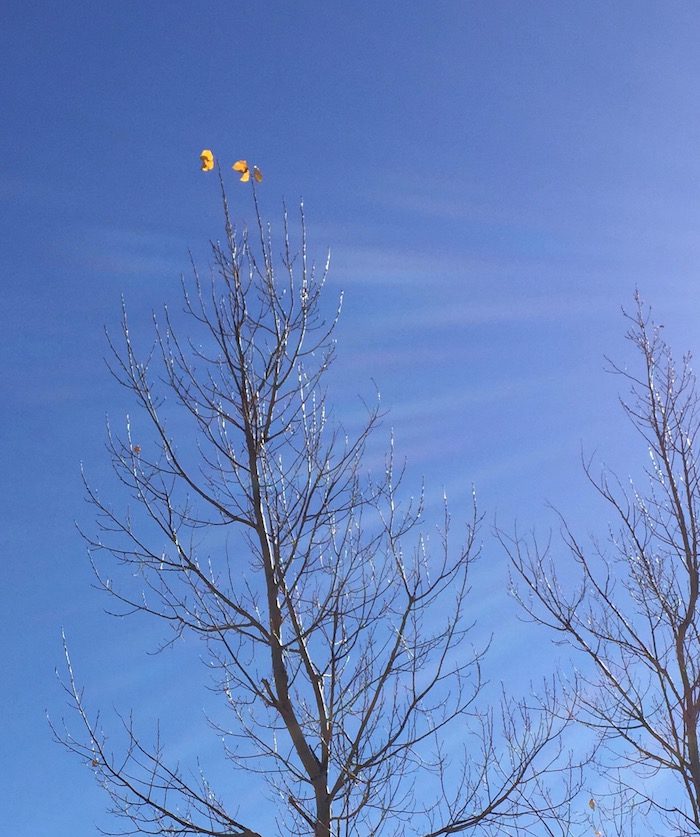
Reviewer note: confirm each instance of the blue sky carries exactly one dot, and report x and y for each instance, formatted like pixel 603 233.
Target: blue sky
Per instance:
pixel 493 179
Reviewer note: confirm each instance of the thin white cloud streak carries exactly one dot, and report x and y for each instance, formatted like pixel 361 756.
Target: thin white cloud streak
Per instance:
pixel 508 310
pixel 128 252
pixel 471 310
pixel 455 401
pixel 369 263
pixel 417 423
pixel 454 203
pixel 629 233
pixel 627 203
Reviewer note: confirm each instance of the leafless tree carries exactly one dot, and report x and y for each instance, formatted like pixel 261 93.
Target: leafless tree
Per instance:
pixel 337 631
pixel 631 606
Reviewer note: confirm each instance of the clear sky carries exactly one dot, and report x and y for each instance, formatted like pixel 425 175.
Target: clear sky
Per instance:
pixel 493 179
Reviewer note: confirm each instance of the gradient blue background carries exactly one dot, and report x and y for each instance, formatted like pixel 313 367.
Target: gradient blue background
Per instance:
pixel 493 179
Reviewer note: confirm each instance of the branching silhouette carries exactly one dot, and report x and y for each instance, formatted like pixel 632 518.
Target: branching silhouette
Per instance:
pixel 338 633
pixel 633 610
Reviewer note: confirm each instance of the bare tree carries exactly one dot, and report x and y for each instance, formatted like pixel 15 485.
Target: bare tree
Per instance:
pixel 339 634
pixel 632 609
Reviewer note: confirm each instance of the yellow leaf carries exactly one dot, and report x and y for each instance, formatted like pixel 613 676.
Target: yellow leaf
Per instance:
pixel 242 166
pixel 257 174
pixel 207 159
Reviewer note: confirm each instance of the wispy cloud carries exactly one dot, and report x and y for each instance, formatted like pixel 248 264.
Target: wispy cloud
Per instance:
pixel 128 252
pixel 449 400
pixel 508 309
